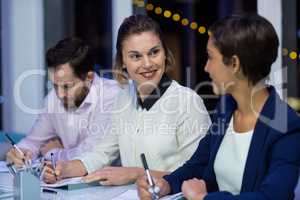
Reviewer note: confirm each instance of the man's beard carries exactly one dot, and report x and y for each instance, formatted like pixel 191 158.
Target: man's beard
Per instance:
pixel 78 101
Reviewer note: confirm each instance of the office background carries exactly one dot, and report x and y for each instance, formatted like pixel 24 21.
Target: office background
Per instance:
pixel 29 28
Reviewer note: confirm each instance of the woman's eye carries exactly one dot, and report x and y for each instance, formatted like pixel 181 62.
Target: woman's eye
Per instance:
pixel 154 52
pixel 135 56
pixel 208 56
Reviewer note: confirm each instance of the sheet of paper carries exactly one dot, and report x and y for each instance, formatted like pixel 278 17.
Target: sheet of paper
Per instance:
pixel 6 191
pixel 178 196
pixel 3 167
pixel 63 182
pixel 128 195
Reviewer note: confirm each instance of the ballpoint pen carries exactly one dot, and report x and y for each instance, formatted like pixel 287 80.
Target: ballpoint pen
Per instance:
pixel 53 164
pixel 154 190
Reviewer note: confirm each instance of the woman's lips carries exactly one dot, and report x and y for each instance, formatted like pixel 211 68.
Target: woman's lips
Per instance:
pixel 148 75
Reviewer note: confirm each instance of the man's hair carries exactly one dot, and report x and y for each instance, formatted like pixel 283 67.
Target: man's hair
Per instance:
pixel 252 39
pixel 73 51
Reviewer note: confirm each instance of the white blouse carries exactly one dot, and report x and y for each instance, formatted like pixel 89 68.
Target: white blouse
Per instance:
pixel 231 159
pixel 168 133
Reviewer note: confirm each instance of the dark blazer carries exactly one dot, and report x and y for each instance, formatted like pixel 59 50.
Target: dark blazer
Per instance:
pixel 272 166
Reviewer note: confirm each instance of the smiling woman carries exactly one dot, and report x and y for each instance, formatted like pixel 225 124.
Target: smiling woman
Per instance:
pixel 153 114
pixel 144 59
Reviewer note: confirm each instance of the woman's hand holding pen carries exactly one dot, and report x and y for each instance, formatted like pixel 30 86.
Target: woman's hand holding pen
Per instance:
pixel 15 157
pixel 143 187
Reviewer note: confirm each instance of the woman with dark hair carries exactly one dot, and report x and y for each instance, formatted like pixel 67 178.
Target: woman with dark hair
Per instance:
pixel 153 114
pixel 252 149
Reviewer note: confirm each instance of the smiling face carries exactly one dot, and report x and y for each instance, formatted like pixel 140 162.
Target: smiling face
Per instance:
pixel 223 78
pixel 144 58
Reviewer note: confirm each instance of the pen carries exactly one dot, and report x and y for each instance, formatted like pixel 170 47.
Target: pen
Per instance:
pixel 153 189
pixel 11 169
pixel 50 191
pixel 15 146
pixel 40 169
pixel 53 164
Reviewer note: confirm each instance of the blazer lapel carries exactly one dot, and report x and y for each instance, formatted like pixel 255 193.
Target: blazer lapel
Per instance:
pixel 225 109
pixel 258 141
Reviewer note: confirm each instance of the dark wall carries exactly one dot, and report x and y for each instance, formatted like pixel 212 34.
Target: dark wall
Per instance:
pixel 88 19
pixel 93 20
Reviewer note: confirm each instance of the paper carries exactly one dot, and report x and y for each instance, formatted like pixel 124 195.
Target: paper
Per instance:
pixel 132 195
pixel 3 167
pixel 63 182
pixel 6 191
pixel 178 196
pixel 5 194
pixel 128 195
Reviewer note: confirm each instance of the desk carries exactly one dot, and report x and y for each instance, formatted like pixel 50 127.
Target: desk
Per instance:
pixel 92 193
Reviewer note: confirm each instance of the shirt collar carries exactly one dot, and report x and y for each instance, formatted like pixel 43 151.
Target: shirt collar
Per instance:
pixel 91 97
pixel 162 87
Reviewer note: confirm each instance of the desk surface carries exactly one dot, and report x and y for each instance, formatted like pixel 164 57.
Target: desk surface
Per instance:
pixel 92 193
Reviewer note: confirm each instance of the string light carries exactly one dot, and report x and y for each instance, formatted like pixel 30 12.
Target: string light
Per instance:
pixel 184 21
pixel 293 55
pixel 167 13
pixel 176 17
pixel 193 25
pixel 149 7
pixel 202 29
pixel 158 10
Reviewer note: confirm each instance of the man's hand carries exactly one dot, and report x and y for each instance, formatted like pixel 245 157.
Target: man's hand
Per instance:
pixel 14 157
pixel 53 143
pixel 143 187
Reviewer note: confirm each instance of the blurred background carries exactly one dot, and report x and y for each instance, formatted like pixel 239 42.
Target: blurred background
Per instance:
pixel 30 27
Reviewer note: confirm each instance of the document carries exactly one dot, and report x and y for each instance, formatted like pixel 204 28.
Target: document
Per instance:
pixel 6 191
pixel 178 196
pixel 128 195
pixel 63 182
pixel 6 194
pixel 132 195
pixel 3 167
pixel 70 184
